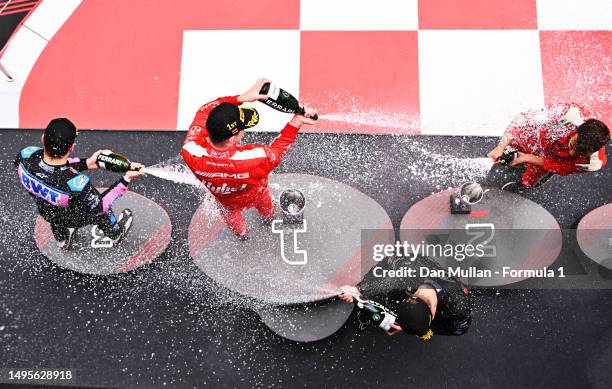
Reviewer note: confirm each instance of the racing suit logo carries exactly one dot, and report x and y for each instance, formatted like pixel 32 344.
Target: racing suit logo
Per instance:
pixel 224 189
pixel 41 190
pixel 237 176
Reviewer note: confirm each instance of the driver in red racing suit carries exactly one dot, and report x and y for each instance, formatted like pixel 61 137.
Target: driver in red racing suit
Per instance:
pixel 236 174
pixel 563 139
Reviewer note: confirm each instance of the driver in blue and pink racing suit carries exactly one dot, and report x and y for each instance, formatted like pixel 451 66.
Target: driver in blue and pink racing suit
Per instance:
pixel 64 196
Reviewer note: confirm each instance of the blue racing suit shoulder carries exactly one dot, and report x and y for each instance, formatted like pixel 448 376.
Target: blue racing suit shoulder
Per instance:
pixel 28 151
pixel 78 182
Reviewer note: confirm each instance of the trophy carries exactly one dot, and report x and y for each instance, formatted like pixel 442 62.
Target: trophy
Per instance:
pixel 292 203
pixel 468 194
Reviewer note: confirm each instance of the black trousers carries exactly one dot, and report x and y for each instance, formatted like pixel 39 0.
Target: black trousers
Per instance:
pixel 107 222
pixel 500 175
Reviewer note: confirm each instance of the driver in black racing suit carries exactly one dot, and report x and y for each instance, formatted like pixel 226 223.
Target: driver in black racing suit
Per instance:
pixel 64 197
pixel 424 307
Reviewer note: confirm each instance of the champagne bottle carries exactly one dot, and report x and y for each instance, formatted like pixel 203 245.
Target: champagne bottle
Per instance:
pixel 507 156
pixel 113 162
pixel 377 313
pixel 281 100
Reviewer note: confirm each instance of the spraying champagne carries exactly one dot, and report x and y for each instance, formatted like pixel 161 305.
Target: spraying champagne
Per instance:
pixel 281 100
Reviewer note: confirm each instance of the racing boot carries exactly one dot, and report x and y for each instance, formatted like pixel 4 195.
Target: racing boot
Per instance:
pixel 66 243
pixel 124 221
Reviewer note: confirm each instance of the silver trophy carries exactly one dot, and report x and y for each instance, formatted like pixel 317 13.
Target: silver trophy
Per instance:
pixel 292 203
pixel 468 194
pixel 472 192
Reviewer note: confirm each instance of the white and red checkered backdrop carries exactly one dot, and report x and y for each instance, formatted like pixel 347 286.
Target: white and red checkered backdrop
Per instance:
pixel 452 67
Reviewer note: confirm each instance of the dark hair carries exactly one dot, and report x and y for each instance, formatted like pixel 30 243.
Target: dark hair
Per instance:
pixel 218 143
pixel 593 134
pixel 57 152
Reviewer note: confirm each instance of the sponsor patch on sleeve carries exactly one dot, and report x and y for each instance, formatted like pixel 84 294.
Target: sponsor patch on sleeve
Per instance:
pixel 78 183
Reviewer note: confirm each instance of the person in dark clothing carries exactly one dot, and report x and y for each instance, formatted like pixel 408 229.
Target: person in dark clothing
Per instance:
pixel 66 198
pixel 430 306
